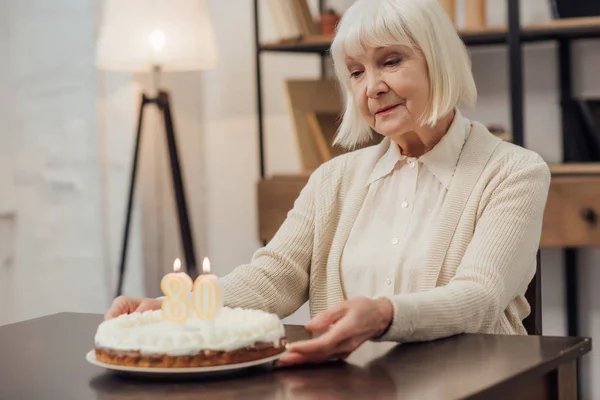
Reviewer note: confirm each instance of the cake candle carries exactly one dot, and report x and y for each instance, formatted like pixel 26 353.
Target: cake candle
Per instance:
pixel 176 286
pixel 208 295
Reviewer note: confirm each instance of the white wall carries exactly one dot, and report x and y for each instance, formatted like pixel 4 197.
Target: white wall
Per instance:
pixel 48 140
pixel 7 205
pixel 117 116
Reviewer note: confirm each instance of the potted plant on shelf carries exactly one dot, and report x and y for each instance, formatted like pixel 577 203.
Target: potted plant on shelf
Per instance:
pixel 329 21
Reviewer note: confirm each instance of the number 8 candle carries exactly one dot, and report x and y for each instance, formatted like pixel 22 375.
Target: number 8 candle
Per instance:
pixel 176 285
pixel 208 298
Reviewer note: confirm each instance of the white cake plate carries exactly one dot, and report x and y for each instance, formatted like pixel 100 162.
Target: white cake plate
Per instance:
pixel 183 372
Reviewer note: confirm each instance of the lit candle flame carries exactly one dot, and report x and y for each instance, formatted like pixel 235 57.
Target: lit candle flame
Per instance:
pixel 177 265
pixel 205 265
pixel 157 40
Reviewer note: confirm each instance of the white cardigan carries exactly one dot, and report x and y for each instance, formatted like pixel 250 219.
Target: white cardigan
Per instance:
pixel 480 260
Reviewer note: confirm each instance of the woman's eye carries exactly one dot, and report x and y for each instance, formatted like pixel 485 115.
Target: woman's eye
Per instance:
pixel 392 62
pixel 355 74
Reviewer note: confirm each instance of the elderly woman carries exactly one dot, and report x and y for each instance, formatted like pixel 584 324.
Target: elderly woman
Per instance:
pixel 431 233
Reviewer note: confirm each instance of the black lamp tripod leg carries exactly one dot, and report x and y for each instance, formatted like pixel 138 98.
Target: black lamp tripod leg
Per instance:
pixel 136 152
pixel 184 223
pixel 182 212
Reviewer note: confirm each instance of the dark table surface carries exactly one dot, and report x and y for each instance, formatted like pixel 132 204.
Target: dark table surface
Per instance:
pixel 44 358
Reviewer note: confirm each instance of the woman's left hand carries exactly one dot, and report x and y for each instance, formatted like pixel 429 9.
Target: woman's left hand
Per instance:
pixel 349 324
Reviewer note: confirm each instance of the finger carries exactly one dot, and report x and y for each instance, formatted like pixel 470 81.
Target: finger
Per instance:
pixel 118 307
pixel 328 342
pixel 292 358
pixel 110 314
pixel 322 344
pixel 148 305
pixel 344 347
pixel 323 320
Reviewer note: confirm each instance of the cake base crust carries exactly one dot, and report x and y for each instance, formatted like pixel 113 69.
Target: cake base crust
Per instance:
pixel 207 358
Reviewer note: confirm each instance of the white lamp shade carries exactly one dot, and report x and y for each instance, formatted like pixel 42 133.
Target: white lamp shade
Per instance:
pixel 137 35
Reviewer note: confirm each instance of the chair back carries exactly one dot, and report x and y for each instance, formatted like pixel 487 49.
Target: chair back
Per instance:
pixel 533 322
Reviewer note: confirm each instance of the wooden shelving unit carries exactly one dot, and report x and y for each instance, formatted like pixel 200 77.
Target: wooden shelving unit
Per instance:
pixel 575 169
pixel 564 29
pixel 313 44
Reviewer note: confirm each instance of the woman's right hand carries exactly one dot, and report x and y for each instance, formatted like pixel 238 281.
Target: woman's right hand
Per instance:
pixel 127 305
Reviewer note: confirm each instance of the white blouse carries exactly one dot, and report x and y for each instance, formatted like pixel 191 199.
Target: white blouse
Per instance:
pixel 388 241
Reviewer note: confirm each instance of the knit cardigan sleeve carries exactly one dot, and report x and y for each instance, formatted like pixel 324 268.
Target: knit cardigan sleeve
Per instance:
pixel 277 278
pixel 499 261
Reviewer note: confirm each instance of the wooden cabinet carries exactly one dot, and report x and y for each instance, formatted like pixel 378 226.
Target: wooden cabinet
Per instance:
pixel 572 214
pixel 571 218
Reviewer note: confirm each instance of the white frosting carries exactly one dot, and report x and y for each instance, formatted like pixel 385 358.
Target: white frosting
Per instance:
pixel 149 333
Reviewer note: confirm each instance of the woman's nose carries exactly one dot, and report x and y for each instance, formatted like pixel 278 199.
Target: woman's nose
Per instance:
pixel 375 86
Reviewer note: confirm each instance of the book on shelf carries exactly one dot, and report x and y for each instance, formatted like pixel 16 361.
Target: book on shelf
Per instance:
pixel 315 107
pixel 292 19
pixel 305 18
pixel 284 19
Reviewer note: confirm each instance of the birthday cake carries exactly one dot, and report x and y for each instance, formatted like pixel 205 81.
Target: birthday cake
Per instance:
pixel 147 339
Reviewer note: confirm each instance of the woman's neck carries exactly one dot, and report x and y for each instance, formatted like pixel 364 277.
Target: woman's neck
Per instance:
pixel 420 141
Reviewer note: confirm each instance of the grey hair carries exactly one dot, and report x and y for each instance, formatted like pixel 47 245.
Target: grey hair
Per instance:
pixel 424 26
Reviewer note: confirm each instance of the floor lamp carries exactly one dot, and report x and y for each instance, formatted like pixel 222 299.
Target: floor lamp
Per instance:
pixel 156 36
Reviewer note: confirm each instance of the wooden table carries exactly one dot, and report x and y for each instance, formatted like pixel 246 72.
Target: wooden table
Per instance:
pixel 44 358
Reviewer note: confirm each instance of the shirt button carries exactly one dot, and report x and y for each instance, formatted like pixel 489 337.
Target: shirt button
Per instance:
pixel 404 204
pixel 411 164
pixel 395 241
pixel 388 281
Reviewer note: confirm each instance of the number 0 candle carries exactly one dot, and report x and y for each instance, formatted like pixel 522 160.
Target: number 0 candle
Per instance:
pixel 175 286
pixel 208 296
